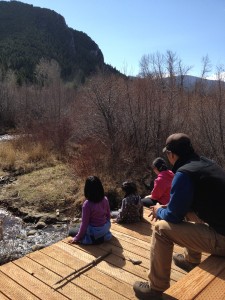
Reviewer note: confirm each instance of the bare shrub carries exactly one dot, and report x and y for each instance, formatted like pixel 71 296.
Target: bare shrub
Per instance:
pixel 119 124
pixel 132 118
pixel 91 158
pixel 49 137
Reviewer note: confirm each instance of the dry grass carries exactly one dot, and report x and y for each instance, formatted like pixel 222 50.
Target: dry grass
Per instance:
pixel 21 154
pixel 7 155
pixel 38 153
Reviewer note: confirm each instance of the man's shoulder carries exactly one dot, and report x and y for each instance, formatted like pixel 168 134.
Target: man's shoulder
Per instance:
pixel 204 170
pixel 196 164
pixel 181 176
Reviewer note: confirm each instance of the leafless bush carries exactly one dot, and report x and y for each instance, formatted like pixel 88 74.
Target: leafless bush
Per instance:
pixel 120 124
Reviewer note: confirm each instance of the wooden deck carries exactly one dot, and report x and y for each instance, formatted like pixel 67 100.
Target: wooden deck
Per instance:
pixel 206 281
pixel 34 276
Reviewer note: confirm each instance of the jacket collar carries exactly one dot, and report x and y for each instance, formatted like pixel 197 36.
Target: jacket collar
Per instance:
pixel 183 161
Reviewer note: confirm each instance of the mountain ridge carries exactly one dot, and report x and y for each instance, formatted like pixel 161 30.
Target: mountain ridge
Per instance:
pixel 29 33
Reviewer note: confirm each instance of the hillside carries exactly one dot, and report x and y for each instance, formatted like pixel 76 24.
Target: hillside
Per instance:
pixel 29 33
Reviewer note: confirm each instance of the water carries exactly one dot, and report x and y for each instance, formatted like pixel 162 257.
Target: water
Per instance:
pixel 6 137
pixel 16 239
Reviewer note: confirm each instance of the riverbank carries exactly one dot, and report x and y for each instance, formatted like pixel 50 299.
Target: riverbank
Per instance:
pixel 38 201
pixel 38 195
pixel 34 183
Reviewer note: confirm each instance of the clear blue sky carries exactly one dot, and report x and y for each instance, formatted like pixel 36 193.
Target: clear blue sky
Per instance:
pixel 125 30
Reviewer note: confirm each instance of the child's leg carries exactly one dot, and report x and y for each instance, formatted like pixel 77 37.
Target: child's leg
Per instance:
pixel 148 202
pixel 73 231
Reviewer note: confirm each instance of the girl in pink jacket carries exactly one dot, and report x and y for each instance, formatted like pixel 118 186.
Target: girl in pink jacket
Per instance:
pixel 162 184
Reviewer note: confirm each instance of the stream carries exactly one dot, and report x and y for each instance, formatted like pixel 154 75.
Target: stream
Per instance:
pixel 18 238
pixel 6 137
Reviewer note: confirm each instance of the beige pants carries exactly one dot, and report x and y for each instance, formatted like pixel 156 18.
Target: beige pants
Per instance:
pixel 195 237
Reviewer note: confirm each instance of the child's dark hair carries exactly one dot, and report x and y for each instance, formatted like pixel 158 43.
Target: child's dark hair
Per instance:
pixel 93 189
pixel 160 164
pixel 129 187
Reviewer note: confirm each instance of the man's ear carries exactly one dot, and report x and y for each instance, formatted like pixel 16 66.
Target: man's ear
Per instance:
pixel 174 157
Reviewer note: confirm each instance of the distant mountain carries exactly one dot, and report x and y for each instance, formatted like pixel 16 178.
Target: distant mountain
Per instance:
pixel 189 82
pixel 29 33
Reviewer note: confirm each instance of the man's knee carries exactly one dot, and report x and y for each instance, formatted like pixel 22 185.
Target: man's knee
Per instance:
pixel 162 233
pixel 161 225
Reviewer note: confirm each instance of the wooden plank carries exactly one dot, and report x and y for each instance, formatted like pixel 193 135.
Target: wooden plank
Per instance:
pixel 115 261
pixel 215 290
pixel 38 288
pixel 142 249
pixel 116 269
pixel 134 237
pixel 141 230
pixel 136 254
pixel 13 290
pixel 122 249
pixel 128 250
pixel 127 236
pixel 89 285
pixel 197 280
pixel 129 244
pixel 3 297
pixel 49 276
pixel 104 275
pixel 134 245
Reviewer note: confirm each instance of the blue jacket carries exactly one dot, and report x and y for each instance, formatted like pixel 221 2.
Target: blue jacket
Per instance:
pixel 199 186
pixel 181 197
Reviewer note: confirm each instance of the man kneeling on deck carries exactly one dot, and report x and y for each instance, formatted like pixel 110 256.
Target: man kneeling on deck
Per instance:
pixel 198 187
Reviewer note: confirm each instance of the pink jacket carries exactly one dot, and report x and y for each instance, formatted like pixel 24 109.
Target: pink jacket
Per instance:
pixel 162 186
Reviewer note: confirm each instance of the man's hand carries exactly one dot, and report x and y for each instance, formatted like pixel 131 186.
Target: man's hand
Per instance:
pixel 153 212
pixel 154 209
